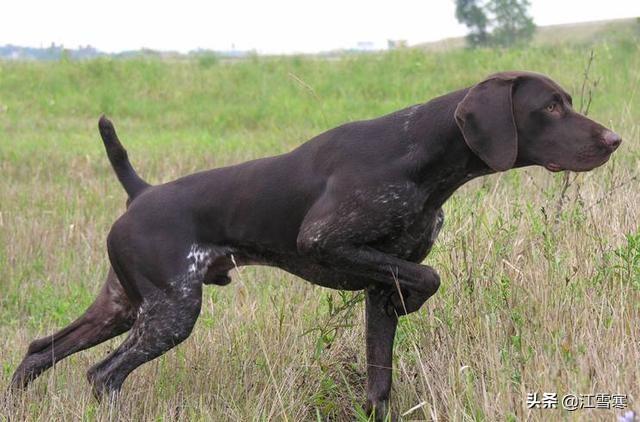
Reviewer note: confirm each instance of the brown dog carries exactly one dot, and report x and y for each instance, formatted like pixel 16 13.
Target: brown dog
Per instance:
pixel 357 207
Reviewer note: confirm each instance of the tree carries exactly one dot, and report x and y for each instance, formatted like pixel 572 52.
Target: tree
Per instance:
pixel 496 22
pixel 512 23
pixel 470 13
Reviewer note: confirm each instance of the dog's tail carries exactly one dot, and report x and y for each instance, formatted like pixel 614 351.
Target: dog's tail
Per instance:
pixel 127 176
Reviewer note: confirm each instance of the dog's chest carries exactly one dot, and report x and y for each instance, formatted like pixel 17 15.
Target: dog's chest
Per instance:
pixel 414 241
pixel 415 226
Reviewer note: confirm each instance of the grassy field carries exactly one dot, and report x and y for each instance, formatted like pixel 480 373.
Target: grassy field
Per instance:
pixel 541 280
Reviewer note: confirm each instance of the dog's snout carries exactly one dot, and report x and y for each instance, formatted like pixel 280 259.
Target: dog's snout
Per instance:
pixel 611 139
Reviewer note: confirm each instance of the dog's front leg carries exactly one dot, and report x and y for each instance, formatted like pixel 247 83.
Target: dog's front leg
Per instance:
pixel 344 239
pixel 381 330
pixel 407 285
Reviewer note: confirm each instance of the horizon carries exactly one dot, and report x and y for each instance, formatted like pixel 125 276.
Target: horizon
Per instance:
pixel 362 46
pixel 289 29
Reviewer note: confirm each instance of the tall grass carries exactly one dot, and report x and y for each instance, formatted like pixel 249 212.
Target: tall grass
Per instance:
pixel 535 296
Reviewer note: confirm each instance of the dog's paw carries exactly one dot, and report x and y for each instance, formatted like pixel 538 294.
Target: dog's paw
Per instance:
pixel 406 303
pixel 101 387
pixel 396 304
pixel 379 411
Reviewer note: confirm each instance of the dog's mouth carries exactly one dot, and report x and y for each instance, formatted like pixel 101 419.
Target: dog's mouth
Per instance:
pixel 585 159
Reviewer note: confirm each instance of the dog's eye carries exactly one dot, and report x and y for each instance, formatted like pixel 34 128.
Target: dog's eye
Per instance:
pixel 551 107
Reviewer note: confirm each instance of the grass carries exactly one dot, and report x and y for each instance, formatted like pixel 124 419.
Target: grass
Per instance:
pixel 536 296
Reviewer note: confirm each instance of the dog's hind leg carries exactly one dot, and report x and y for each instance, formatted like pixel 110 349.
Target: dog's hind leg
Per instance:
pixel 165 319
pixel 168 282
pixel 110 314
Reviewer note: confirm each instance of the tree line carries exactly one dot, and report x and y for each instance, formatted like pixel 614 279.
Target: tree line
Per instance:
pixel 500 23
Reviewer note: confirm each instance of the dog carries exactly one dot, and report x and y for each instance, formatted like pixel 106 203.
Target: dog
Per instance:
pixel 355 208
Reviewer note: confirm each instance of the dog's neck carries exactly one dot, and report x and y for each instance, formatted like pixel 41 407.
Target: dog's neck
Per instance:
pixel 440 151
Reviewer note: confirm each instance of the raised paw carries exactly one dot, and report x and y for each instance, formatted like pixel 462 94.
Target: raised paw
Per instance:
pixel 406 303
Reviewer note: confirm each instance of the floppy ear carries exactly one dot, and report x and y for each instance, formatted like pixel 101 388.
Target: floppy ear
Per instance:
pixel 485 117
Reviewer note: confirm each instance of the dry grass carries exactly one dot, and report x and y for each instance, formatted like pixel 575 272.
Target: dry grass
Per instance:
pixel 534 297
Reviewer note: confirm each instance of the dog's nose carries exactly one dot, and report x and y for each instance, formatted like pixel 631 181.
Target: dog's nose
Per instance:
pixel 611 139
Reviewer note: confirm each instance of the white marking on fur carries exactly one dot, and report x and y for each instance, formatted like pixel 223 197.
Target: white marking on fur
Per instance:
pixel 199 259
pixel 409 115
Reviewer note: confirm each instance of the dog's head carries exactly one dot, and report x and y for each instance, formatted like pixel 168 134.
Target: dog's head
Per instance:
pixel 521 118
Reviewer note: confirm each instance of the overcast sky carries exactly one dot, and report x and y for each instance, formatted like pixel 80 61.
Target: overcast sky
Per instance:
pixel 277 26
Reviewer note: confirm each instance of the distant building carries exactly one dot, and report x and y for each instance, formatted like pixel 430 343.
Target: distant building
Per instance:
pixel 393 44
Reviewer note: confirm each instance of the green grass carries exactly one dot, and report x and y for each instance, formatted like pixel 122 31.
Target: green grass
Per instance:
pixel 535 296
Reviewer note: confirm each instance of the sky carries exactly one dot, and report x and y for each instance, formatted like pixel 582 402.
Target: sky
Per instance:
pixel 269 27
